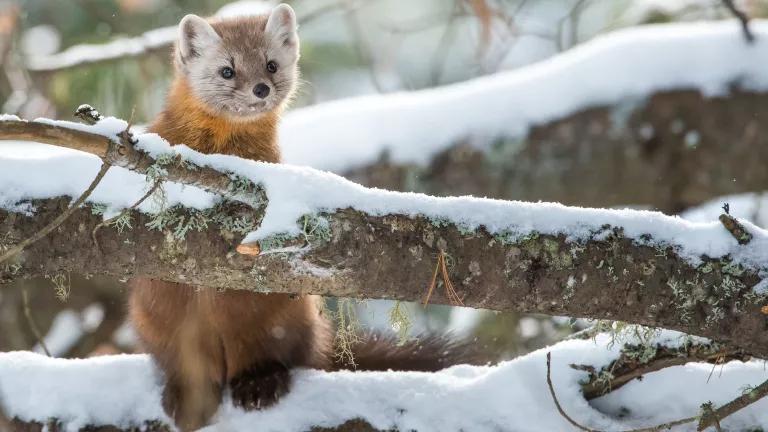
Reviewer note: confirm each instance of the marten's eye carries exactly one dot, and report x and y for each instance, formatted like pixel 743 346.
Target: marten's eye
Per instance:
pixel 227 72
pixel 271 66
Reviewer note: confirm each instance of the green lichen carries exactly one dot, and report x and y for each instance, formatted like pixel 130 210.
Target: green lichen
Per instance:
pixel 275 241
pixel 243 224
pixel 643 353
pixel 506 237
pixel 180 220
pixel 315 228
pixel 122 223
pixel 347 331
pixel 98 209
pixel 62 284
pixel 240 185
pixel 439 222
pixel 401 322
pixel 734 269
pixel 706 268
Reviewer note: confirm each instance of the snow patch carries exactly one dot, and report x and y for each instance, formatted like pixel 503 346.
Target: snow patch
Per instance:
pixel 628 64
pixel 512 396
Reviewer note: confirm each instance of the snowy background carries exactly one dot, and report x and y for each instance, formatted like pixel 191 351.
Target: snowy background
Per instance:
pixel 395 78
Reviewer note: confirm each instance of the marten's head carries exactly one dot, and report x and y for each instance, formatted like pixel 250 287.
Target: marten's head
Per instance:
pixel 240 67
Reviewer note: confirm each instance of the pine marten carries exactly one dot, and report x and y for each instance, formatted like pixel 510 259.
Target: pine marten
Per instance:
pixel 233 78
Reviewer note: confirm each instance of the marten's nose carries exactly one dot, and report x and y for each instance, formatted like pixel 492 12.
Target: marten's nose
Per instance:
pixel 261 90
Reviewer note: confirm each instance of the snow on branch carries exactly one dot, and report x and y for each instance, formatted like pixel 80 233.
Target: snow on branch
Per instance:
pixel 622 67
pixel 315 232
pixel 504 397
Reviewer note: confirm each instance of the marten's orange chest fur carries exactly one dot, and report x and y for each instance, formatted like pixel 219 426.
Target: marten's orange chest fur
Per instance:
pixel 187 121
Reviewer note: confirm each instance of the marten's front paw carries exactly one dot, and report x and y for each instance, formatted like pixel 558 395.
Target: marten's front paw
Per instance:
pixel 260 387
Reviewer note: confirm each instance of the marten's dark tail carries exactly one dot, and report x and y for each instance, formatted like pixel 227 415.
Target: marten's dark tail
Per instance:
pixel 426 353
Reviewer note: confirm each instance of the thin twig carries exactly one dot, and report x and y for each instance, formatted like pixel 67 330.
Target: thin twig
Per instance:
pixel 712 417
pixel 743 19
pixel 31 322
pixel 122 213
pixel 60 219
pixel 450 292
pixel 562 412
pixel 434 281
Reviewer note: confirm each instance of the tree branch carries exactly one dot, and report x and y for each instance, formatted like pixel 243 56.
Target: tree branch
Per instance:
pixel 636 361
pixel 11 252
pixel 713 417
pixel 651 283
pixel 31 322
pixel 743 19
pixel 660 427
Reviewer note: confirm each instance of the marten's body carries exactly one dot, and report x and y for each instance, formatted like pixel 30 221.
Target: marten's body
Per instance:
pixel 206 339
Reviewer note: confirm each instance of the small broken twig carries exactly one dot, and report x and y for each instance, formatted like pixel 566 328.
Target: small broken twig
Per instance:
pixel 743 19
pixel 736 229
pixel 31 322
pixel 60 219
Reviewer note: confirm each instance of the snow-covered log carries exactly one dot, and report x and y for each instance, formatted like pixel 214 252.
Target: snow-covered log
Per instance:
pixel 504 397
pixel 313 232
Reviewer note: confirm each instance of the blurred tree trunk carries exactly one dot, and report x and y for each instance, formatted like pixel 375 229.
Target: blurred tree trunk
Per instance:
pixel 669 152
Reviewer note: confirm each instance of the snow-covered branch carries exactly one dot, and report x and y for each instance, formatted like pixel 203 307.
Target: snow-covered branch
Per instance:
pixel 497 398
pixel 319 233
pixel 665 116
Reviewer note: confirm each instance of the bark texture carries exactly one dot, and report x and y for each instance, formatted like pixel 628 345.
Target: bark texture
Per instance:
pixel 363 256
pixel 669 151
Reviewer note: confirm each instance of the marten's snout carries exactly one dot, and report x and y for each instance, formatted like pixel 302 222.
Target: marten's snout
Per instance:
pixel 261 90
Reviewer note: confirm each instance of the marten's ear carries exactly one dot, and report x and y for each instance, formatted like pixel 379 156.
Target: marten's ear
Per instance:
pixel 195 35
pixel 281 24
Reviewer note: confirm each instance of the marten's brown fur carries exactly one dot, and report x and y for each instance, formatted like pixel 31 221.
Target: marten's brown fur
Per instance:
pixel 205 339
pixel 187 121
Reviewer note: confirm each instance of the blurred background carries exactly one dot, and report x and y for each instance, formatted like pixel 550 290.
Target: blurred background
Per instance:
pixel 115 55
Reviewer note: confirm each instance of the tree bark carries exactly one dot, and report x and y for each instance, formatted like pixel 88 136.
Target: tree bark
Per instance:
pixel 364 256
pixel 669 151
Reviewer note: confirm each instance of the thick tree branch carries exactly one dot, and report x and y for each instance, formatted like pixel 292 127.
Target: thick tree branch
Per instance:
pixel 606 276
pixel 617 279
